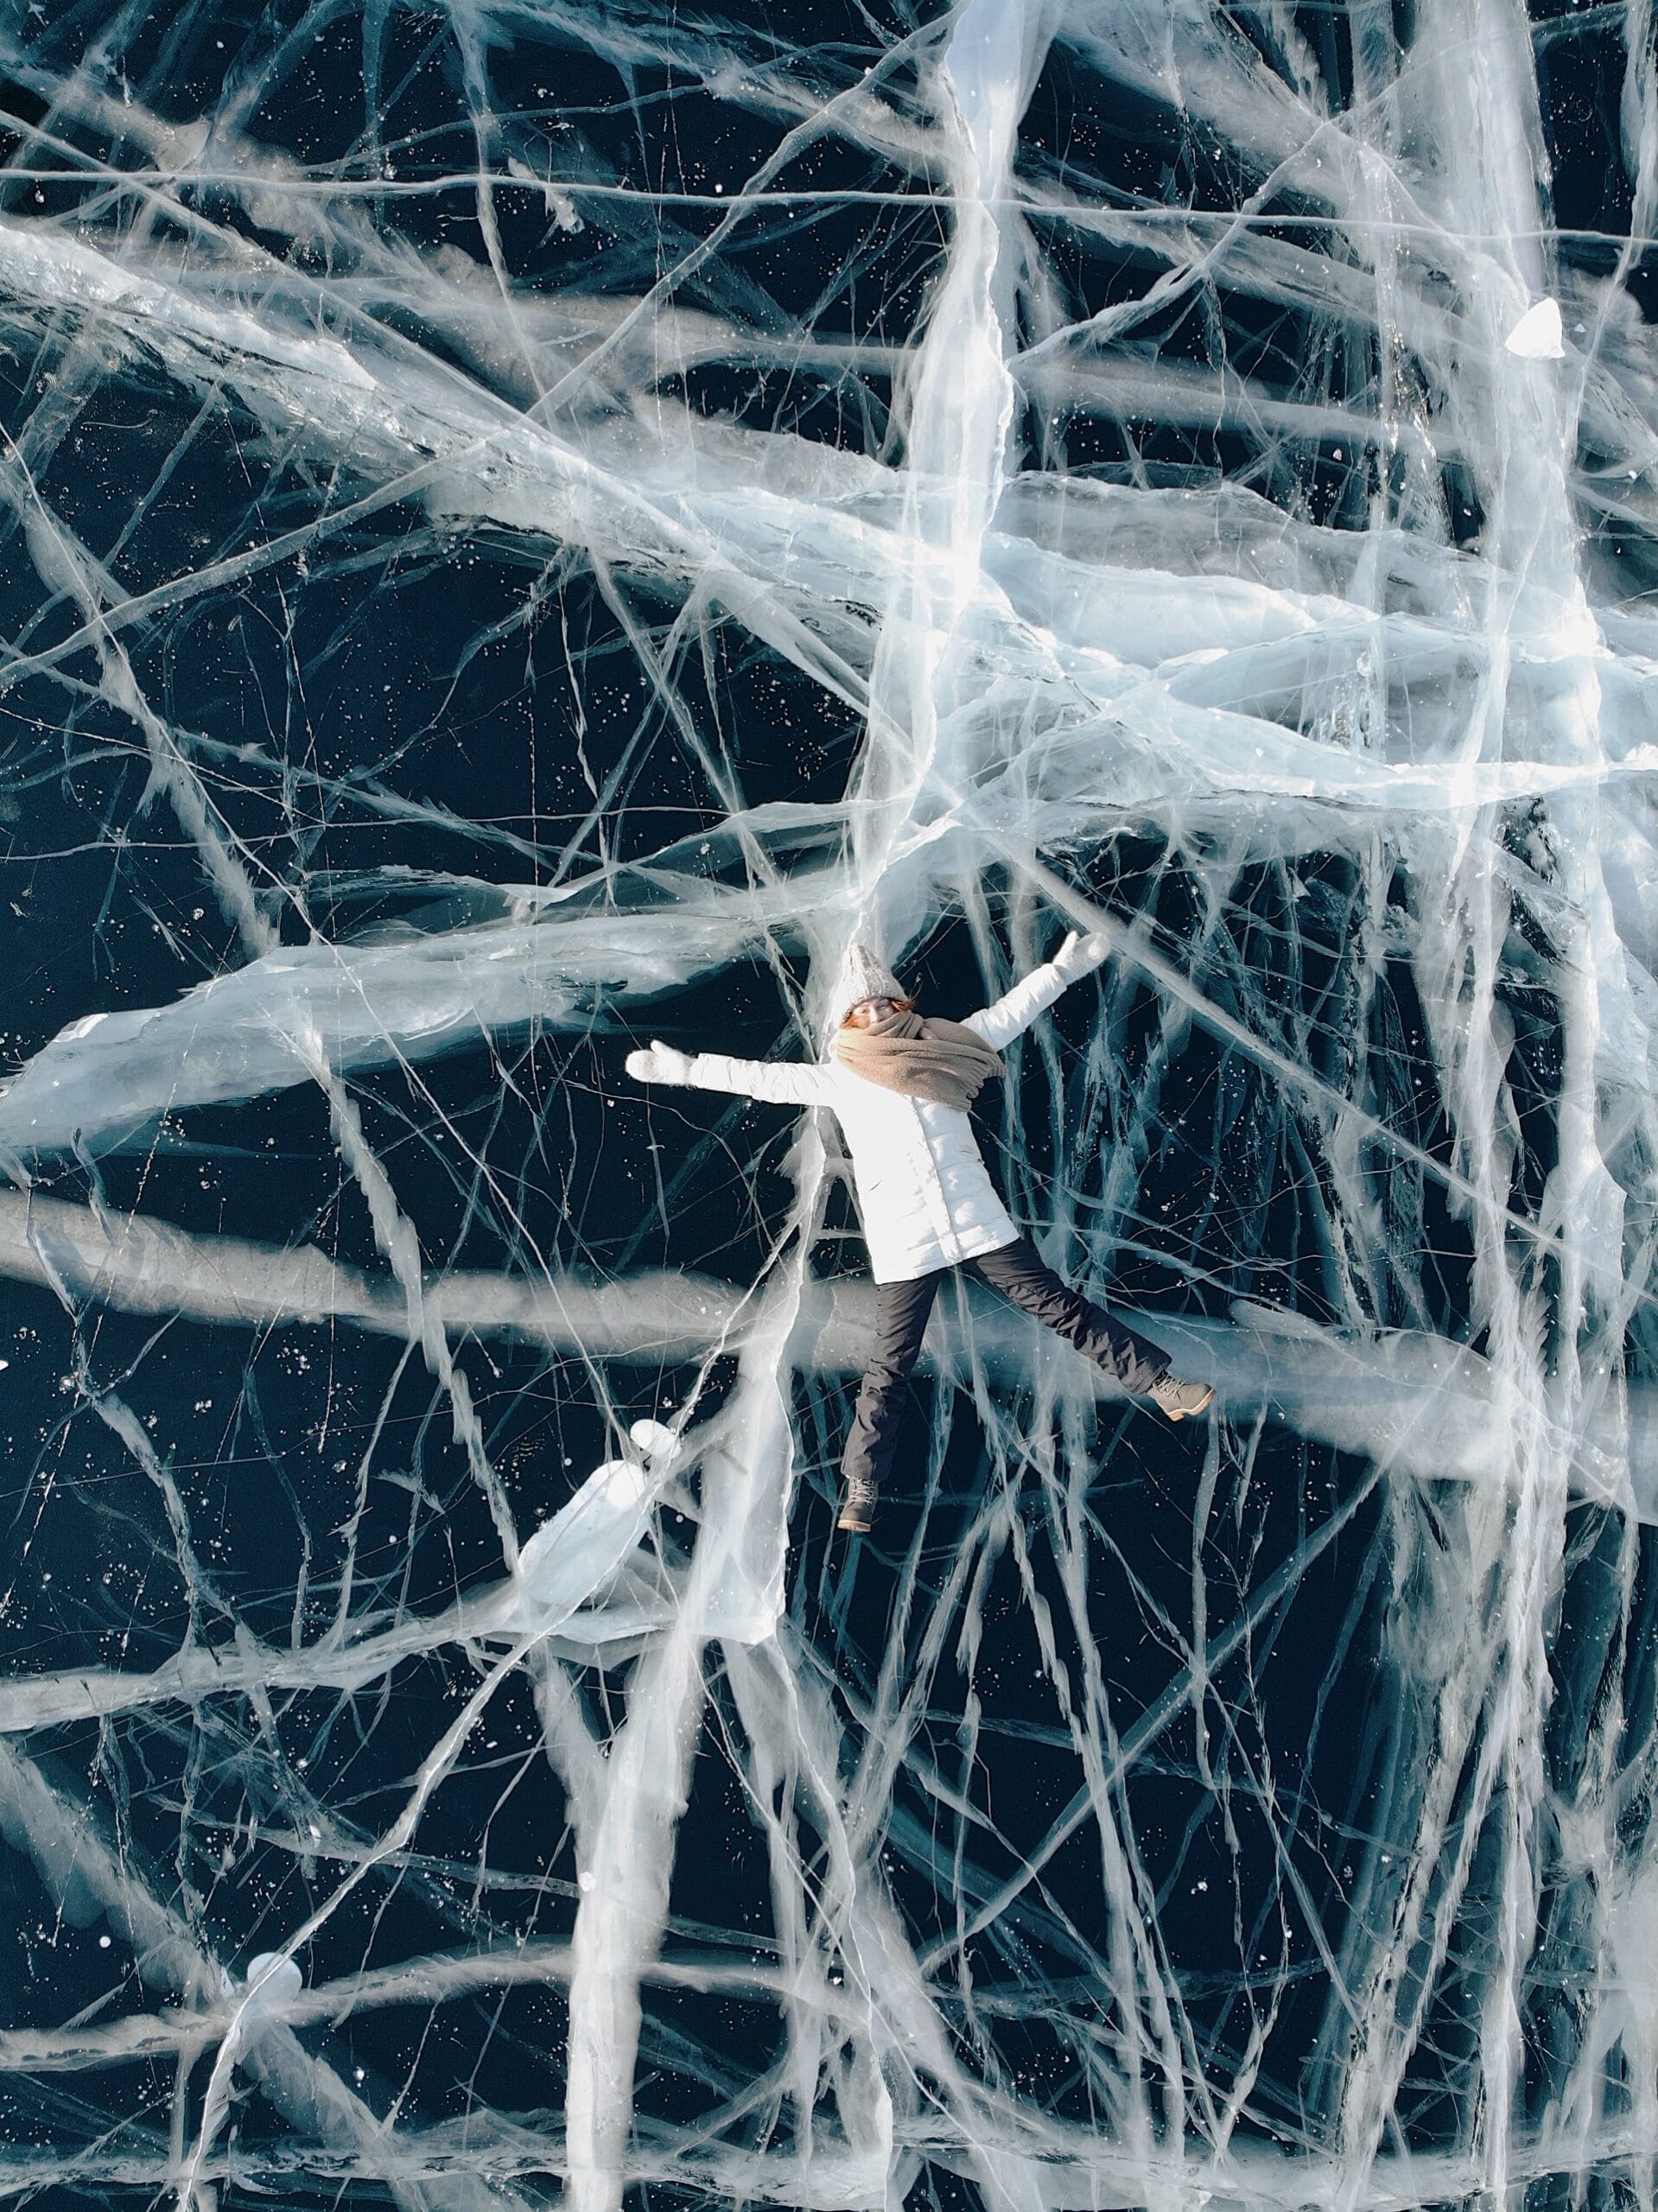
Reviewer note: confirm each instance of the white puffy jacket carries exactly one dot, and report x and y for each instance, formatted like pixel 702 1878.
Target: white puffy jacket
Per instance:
pixel 923 1191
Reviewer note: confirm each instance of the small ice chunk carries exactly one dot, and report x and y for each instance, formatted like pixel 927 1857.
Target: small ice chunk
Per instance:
pixel 581 1548
pixel 624 1481
pixel 655 1440
pixel 286 1980
pixel 1537 336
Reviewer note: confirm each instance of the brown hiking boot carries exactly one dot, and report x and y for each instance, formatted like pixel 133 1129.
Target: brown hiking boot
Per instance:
pixel 858 1506
pixel 1179 1399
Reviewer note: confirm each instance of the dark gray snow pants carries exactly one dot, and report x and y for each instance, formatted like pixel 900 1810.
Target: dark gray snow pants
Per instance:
pixel 901 1310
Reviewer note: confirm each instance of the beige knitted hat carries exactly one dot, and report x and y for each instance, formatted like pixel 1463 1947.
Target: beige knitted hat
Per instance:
pixel 864 977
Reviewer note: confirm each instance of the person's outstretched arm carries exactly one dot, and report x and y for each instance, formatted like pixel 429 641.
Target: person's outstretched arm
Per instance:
pixel 1077 956
pixel 785 1082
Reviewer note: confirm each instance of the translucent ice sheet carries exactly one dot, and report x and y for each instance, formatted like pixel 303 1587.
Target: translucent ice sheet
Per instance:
pixel 527 528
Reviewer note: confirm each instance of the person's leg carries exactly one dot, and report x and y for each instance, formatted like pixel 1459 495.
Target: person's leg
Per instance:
pixel 901 1310
pixel 1017 1272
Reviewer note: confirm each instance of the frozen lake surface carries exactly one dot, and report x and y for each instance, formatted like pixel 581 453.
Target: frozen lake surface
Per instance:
pixel 527 528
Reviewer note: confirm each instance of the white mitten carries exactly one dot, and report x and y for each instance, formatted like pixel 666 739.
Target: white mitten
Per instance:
pixel 1081 956
pixel 662 1064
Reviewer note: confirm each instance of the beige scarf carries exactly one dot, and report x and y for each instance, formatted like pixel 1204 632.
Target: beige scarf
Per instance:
pixel 941 1061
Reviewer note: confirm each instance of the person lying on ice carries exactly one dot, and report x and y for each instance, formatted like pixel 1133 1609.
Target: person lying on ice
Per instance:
pixel 900 1084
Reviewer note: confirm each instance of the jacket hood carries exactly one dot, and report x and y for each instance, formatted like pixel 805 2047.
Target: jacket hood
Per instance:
pixel 864 977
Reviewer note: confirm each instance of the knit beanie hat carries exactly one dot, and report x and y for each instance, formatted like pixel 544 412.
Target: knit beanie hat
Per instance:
pixel 864 977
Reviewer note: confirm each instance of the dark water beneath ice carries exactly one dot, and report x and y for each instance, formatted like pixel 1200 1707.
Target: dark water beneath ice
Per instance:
pixel 522 531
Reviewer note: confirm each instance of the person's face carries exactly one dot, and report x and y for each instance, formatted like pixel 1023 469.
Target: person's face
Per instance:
pixel 867 1012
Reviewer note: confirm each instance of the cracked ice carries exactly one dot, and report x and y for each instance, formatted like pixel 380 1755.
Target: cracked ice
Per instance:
pixel 526 529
